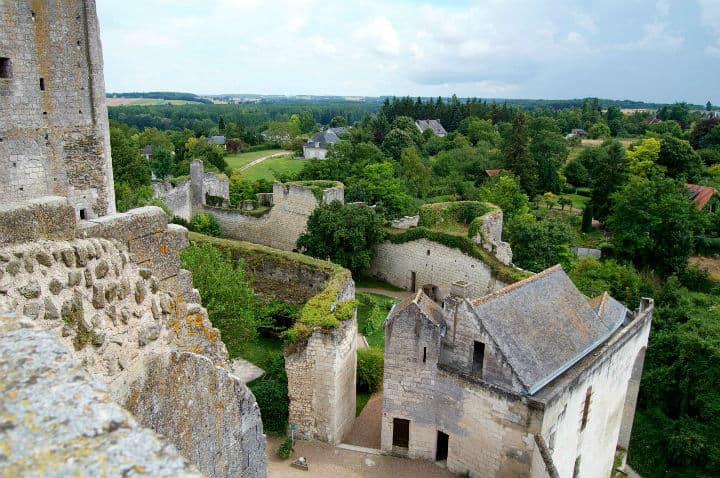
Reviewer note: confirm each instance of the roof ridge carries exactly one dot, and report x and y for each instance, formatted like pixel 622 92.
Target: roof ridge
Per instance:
pixel 603 302
pixel 515 285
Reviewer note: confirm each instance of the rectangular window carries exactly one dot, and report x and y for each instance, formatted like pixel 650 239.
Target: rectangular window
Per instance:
pixel 42 84
pixel 478 358
pixel 5 68
pixel 401 432
pixel 424 354
pixel 586 408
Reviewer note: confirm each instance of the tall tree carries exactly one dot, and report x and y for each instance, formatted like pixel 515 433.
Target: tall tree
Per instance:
pixel 679 158
pixel 608 175
pixel 517 155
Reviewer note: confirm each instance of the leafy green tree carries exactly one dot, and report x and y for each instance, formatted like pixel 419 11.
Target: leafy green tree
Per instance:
pixel 381 186
pixel 307 122
pixel 599 130
pixel 338 121
pixel 343 233
pixel 225 290
pixel 549 151
pixel 576 174
pixel 162 164
pixel 128 197
pixel 415 172
pixel 587 219
pixel 128 164
pixel 643 159
pixel 593 277
pixel 504 191
pixel 480 131
pixel 155 138
pixel 538 245
pixel 699 135
pixel 653 224
pixel 395 141
pixel 206 223
pixel 608 175
pixel 679 158
pixel 517 155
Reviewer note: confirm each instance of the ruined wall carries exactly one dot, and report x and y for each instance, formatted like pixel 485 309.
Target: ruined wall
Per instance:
pixel 432 263
pixel 489 430
pixel 321 379
pixel 117 296
pixel 286 221
pixel 177 199
pixel 490 235
pixel 54 137
pixel 59 421
pixel 608 371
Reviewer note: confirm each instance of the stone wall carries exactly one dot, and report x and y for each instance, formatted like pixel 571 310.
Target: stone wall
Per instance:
pixel 432 263
pixel 283 224
pixel 490 235
pixel 177 199
pixel 60 421
pixel 54 137
pixel 117 296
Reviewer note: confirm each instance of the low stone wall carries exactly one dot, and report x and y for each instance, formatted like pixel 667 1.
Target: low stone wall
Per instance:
pixel 431 263
pixel 59 421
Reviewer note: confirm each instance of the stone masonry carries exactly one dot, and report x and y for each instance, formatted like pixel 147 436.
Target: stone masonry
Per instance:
pixel 54 137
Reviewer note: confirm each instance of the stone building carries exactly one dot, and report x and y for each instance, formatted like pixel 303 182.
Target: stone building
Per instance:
pixel 54 137
pixel 531 380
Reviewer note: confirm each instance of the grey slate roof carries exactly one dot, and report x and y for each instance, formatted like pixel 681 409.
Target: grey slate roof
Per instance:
pixel 324 138
pixel 422 304
pixel 544 324
pixel 609 310
pixel 338 130
pixel 433 124
pixel 216 140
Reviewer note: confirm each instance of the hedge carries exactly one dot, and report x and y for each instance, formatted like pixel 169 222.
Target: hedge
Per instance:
pixel 370 365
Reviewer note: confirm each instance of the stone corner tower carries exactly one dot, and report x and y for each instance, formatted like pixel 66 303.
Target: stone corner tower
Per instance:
pixel 54 137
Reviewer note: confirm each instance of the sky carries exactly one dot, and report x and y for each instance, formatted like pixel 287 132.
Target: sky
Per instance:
pixel 650 50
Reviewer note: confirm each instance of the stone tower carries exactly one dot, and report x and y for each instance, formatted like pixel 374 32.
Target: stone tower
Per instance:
pixel 54 137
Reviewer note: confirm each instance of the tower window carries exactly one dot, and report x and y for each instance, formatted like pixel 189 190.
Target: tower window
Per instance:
pixel 424 354
pixel 5 68
pixel 42 84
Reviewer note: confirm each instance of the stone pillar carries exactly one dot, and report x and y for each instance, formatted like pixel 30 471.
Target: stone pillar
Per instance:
pixel 197 173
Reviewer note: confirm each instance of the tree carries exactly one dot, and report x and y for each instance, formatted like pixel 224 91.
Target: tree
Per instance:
pixel 504 191
pixel 653 224
pixel 128 164
pixel 576 174
pixel 395 141
pixel 162 164
pixel 343 233
pixel 599 130
pixel 206 223
pixel 381 186
pixel 415 171
pixel 307 122
pixel 338 121
pixel 587 219
pixel 607 176
pixel 594 277
pixel 538 245
pixel 517 155
pixel 708 106
pixel 643 159
pixel 480 131
pixel 549 151
pixel 679 158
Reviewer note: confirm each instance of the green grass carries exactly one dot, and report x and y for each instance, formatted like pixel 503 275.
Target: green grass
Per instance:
pixel 578 202
pixel 366 303
pixel 260 352
pixel 273 168
pixel 361 399
pixel 372 283
pixel 237 160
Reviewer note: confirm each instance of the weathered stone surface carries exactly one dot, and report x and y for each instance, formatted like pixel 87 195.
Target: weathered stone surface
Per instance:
pixel 49 217
pixel 148 332
pixel 208 413
pixel 98 296
pixel 55 286
pixel 140 291
pixel 31 290
pixel 89 281
pixel 125 226
pixel 75 430
pixel 68 257
pixel 44 259
pixel 101 269
pixel 74 278
pixel 51 310
pixel 31 310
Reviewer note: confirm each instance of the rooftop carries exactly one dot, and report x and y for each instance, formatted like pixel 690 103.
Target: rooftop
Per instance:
pixel 701 195
pixel 431 124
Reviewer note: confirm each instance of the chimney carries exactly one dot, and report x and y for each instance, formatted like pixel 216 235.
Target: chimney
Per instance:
pixel 460 289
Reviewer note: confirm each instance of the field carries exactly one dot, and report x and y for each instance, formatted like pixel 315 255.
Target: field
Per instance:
pixel 273 168
pixel 237 160
pixel 146 102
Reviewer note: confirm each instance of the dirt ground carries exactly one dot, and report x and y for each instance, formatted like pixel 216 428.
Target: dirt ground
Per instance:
pixel 710 264
pixel 326 461
pixel 366 429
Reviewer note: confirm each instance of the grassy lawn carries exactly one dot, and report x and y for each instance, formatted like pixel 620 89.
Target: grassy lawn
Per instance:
pixel 372 283
pixel 273 168
pixel 578 202
pixel 237 160
pixel 368 302
pixel 260 352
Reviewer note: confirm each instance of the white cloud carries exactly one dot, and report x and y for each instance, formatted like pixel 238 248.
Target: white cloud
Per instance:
pixel 380 36
pixel 710 11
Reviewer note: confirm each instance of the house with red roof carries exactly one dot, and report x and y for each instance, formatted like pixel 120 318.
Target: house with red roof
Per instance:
pixel 704 197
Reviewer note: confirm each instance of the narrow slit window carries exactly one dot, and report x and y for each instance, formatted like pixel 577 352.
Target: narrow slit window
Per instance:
pixel 42 84
pixel 5 67
pixel 586 408
pixel 424 354
pixel 83 214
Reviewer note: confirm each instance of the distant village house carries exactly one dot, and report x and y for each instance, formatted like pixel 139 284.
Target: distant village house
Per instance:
pixel 431 124
pixel 705 197
pixel 317 146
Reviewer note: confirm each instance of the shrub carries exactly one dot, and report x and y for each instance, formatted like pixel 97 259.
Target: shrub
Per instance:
pixel 271 394
pixel 370 363
pixel 206 223
pixel 286 447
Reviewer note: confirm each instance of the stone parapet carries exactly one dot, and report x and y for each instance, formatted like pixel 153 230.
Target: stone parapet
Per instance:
pixel 48 217
pixel 59 421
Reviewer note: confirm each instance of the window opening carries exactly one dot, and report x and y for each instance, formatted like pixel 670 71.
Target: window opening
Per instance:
pixel 441 452
pixel 478 358
pixel 401 432
pixel 42 84
pixel 82 214
pixel 5 68
pixel 424 354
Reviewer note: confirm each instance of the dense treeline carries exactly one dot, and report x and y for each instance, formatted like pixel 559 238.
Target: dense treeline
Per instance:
pixel 162 95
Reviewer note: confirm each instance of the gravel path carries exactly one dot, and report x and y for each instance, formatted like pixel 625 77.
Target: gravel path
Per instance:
pixel 326 461
pixel 366 429
pixel 260 160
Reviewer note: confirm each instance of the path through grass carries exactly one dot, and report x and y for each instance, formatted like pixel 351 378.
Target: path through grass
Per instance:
pixel 237 160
